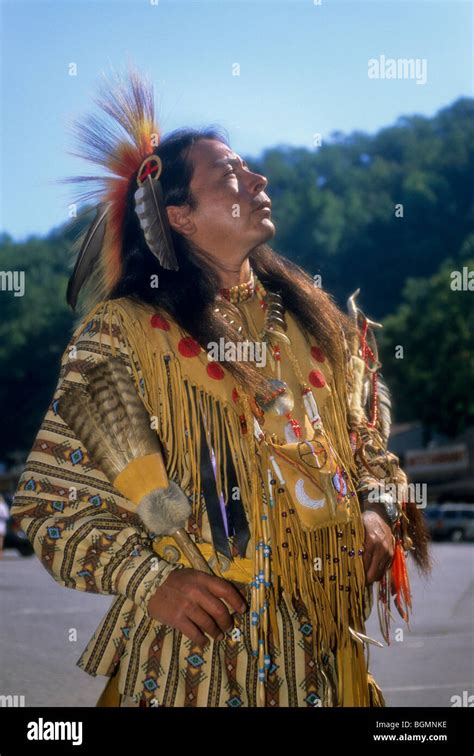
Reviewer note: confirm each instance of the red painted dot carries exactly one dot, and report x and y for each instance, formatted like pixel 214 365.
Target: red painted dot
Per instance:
pixel 214 370
pixel 188 347
pixel 235 395
pixel 157 321
pixel 318 354
pixel 316 378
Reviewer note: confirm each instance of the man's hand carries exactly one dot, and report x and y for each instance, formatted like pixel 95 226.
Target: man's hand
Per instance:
pixel 191 601
pixel 378 545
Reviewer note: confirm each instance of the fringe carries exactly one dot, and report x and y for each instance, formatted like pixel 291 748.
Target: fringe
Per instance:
pixel 335 596
pixel 376 697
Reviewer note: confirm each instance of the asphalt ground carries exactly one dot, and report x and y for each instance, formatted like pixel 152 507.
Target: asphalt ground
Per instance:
pixel 44 627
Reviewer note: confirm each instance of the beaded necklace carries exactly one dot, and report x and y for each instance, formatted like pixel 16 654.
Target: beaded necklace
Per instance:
pixel 275 329
pixel 240 292
pixel 280 401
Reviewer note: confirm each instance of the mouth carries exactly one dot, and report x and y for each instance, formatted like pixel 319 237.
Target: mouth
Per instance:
pixel 264 207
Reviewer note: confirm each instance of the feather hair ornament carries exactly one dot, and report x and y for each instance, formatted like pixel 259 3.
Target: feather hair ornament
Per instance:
pixel 119 141
pixel 149 206
pixel 109 419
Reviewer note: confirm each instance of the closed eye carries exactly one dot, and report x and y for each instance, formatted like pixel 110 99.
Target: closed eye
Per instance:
pixel 243 165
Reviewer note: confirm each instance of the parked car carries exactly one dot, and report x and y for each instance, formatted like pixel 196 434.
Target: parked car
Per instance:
pixel 451 521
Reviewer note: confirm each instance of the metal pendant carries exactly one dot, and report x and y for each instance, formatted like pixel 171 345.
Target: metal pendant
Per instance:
pixel 280 404
pixel 275 316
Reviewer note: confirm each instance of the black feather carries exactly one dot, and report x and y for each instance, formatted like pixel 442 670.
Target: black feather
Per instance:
pixel 88 254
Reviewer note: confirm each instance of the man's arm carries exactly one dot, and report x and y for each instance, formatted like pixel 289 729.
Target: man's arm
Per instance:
pixel 83 531
pixel 389 517
pixel 86 534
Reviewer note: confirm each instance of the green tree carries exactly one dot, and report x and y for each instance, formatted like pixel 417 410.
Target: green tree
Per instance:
pixel 34 331
pixel 334 208
pixel 434 325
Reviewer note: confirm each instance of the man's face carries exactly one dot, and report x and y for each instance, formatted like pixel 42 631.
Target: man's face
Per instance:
pixel 228 220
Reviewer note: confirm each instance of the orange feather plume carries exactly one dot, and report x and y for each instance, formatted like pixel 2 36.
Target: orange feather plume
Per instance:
pixel 117 140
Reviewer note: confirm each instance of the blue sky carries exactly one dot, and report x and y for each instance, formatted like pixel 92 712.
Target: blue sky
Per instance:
pixel 303 70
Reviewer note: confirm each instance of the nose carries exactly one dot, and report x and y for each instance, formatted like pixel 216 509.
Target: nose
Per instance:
pixel 258 182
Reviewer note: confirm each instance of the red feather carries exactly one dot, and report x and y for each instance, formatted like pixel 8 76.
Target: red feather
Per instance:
pixel 400 581
pixel 117 140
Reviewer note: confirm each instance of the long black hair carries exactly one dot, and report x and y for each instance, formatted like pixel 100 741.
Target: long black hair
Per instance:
pixel 189 294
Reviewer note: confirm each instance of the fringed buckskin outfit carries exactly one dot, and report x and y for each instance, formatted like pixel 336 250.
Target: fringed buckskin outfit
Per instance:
pixel 270 486
pixel 285 525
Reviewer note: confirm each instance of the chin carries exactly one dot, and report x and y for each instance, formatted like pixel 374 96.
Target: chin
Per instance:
pixel 268 230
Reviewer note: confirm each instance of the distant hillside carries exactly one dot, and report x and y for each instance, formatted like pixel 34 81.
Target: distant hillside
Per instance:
pixel 335 206
pixel 335 214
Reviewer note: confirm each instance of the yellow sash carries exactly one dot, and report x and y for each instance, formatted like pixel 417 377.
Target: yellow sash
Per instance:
pixel 240 569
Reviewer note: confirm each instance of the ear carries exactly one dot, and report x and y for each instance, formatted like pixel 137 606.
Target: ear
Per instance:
pixel 180 220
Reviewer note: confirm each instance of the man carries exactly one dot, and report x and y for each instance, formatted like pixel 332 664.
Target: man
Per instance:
pixel 176 262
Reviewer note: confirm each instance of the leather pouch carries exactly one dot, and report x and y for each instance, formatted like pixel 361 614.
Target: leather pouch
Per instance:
pixel 314 481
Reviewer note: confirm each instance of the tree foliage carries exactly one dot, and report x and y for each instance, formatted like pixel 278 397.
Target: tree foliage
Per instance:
pixel 431 376
pixel 335 210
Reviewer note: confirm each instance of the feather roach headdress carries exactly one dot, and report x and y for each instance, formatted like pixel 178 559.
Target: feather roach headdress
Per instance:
pixel 122 141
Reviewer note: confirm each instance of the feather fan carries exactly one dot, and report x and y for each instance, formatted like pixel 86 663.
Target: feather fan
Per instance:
pixel 110 420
